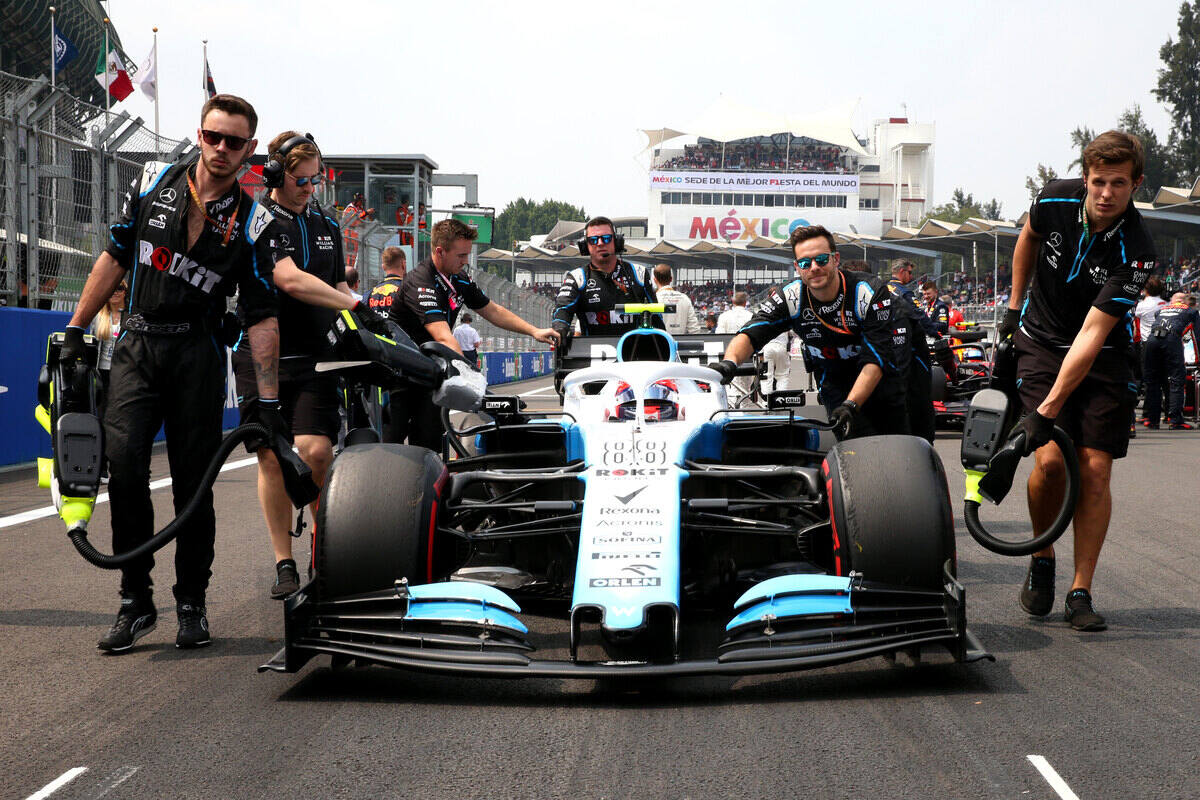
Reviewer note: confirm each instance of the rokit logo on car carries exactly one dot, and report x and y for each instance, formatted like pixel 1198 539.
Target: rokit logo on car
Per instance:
pixel 636 472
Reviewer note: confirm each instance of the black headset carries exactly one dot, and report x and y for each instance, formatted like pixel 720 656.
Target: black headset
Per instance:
pixel 618 239
pixel 274 168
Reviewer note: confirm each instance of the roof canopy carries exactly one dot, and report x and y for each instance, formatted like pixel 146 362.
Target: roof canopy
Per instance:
pixel 727 120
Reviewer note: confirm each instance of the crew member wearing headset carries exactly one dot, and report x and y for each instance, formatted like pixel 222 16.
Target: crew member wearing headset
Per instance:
pixel 589 293
pixel 185 241
pixel 309 268
pixel 845 320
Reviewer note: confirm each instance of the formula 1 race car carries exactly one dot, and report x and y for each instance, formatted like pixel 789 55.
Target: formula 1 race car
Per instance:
pixel 967 370
pixel 643 530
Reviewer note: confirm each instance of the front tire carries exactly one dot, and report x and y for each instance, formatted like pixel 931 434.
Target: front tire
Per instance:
pixel 890 509
pixel 376 519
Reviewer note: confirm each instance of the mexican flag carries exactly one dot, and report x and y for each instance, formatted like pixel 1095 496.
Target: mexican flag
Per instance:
pixel 111 72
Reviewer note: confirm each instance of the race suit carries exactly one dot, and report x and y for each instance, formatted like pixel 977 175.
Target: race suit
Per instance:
pixel 840 337
pixel 1164 360
pixel 1076 270
pixel 426 296
pixel 308 399
pixel 168 368
pixel 588 294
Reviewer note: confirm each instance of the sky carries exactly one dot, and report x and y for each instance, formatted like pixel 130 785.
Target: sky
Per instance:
pixel 545 100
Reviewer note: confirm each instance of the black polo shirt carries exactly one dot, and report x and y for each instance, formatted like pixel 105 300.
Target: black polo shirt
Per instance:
pixel 1073 273
pixel 428 296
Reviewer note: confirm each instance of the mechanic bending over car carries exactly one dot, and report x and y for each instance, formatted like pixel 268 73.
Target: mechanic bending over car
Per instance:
pixel 1164 359
pixel 184 240
pixel 431 297
pixel 304 245
pixel 589 293
pixel 1088 254
pixel 849 333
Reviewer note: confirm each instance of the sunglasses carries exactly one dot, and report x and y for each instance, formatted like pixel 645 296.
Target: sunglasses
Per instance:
pixel 820 260
pixel 315 180
pixel 121 289
pixel 214 139
pixel 605 238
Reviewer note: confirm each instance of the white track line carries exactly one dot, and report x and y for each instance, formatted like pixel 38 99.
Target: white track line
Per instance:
pixel 56 784
pixel 1056 782
pixel 50 511
pixel 537 391
pixel 115 780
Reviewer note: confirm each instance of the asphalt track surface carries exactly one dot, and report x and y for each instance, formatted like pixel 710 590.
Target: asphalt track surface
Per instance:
pixel 1059 714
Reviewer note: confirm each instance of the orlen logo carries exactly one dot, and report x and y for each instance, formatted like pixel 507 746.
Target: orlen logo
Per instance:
pixel 735 227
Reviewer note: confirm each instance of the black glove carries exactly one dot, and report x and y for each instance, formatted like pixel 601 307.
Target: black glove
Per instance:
pixel 726 368
pixel 1008 326
pixel 72 346
pixel 267 414
pixel 1037 430
pixel 370 320
pixel 842 418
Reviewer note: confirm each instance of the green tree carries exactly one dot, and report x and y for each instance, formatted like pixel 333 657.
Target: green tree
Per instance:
pixel 1160 160
pixel 522 218
pixel 1080 138
pixel 1035 183
pixel 1179 88
pixel 963 206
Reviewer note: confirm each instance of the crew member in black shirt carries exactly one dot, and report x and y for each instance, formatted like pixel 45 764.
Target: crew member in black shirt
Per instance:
pixel 431 297
pixel 850 336
pixel 589 293
pixel 304 244
pixel 184 242
pixel 1165 362
pixel 1088 254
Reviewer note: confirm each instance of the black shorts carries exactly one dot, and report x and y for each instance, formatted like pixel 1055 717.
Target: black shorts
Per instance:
pixel 308 400
pixel 1098 412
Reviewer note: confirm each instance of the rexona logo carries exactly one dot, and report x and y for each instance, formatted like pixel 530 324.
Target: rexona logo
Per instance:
pixel 734 227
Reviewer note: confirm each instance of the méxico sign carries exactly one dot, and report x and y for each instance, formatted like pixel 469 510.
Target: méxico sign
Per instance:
pixel 776 182
pixel 745 225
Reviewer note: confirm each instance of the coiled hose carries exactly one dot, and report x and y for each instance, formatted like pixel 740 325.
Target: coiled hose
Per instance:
pixel 78 536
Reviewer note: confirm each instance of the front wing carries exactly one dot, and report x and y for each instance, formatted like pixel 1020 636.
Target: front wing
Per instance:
pixel 381 628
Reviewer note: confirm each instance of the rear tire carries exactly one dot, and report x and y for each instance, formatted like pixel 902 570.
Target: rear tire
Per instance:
pixel 937 389
pixel 376 517
pixel 890 509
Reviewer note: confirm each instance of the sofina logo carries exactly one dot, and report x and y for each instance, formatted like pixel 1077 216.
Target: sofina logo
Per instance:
pixel 734 227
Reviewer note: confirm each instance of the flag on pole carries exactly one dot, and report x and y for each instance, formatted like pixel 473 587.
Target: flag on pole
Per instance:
pixel 209 86
pixel 111 72
pixel 64 50
pixel 147 74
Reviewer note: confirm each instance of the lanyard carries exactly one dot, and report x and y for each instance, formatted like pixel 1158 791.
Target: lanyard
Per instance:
pixel 204 210
pixel 841 312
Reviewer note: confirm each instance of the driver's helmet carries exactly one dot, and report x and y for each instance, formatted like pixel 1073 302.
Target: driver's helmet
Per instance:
pixel 662 402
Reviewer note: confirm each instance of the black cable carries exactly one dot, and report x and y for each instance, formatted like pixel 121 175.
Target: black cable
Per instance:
pixel 78 536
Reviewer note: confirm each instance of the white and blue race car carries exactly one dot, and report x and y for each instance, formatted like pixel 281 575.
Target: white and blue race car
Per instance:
pixel 645 530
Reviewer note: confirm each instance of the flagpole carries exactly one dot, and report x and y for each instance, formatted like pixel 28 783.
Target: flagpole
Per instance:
pixel 204 71
pixel 157 145
pixel 107 94
pixel 53 70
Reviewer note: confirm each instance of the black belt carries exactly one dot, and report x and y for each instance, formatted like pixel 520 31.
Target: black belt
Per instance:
pixel 139 324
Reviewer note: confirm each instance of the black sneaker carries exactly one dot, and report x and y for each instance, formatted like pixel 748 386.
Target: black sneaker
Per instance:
pixel 1080 613
pixel 135 619
pixel 1037 595
pixel 287 580
pixel 193 626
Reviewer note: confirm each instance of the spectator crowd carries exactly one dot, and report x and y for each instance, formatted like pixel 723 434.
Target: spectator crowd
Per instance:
pixel 763 156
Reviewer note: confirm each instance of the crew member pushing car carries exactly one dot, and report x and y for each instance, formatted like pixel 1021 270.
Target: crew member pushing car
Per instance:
pixel 590 293
pixel 431 297
pixel 846 323
pixel 304 244
pixel 1164 359
pixel 185 241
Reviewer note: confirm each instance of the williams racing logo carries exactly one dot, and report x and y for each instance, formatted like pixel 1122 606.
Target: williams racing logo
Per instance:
pixel 177 264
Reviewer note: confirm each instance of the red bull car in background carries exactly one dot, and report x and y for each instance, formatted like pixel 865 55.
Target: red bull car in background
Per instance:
pixel 646 529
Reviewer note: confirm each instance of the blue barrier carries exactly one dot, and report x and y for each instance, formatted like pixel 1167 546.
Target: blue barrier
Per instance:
pixel 23 332
pixel 507 367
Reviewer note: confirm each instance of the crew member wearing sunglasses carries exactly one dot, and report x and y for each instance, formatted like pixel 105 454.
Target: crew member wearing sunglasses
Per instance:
pixel 589 293
pixel 184 242
pixel 850 333
pixel 304 244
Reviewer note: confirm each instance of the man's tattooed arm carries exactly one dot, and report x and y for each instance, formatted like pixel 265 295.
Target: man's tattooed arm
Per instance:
pixel 264 346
